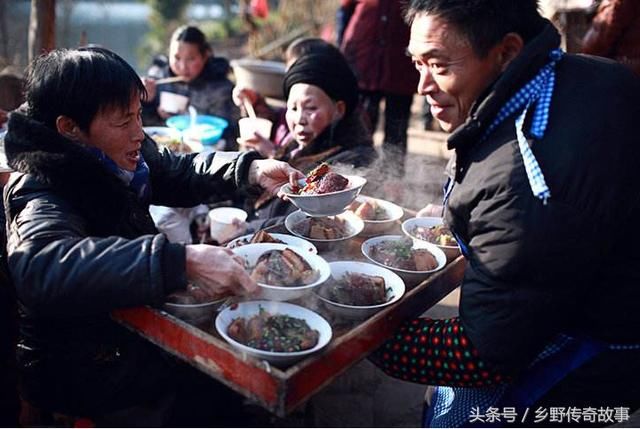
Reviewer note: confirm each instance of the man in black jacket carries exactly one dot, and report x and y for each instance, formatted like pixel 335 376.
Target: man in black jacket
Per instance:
pixel 81 242
pixel 542 199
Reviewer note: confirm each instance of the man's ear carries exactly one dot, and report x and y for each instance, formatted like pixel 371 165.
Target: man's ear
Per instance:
pixel 341 108
pixel 67 127
pixel 509 48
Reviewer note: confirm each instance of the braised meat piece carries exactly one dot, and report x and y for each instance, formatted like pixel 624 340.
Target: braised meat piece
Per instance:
pixel 283 268
pixel 358 289
pixel 273 333
pixel 322 228
pixel 331 182
pixel 263 236
pixel 371 210
pixel 322 180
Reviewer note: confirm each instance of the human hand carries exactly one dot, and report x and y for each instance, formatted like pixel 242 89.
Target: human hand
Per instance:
pixel 262 145
pixel 240 94
pixel 430 210
pixel 150 86
pixel 271 174
pixel 218 270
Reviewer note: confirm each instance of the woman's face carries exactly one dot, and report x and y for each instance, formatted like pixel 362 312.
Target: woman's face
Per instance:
pixel 310 111
pixel 186 60
pixel 118 133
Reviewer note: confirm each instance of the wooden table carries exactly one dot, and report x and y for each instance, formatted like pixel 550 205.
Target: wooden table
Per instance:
pixel 281 390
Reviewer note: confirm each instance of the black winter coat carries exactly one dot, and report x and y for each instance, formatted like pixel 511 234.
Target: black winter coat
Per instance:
pixel 81 244
pixel 569 266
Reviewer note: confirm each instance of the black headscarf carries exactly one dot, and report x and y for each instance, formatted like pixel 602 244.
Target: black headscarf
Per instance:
pixel 328 71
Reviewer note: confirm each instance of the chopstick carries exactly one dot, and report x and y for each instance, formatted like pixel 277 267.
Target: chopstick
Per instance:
pixel 169 80
pixel 249 108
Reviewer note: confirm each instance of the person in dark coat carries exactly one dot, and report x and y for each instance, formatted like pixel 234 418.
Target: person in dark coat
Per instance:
pixel 374 43
pixel 325 125
pixel 205 81
pixel 81 242
pixel 543 201
pixel 615 33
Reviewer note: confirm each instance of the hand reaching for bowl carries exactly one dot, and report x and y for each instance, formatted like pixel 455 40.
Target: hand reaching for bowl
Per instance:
pixel 218 270
pixel 271 174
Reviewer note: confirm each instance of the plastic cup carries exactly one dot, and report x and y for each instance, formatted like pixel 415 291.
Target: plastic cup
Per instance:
pixel 250 126
pixel 221 223
pixel 173 103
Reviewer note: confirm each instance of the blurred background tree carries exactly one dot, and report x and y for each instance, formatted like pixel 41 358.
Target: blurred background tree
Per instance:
pixel 166 16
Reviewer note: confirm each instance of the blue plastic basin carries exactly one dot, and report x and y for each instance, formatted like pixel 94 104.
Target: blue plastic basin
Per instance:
pixel 210 127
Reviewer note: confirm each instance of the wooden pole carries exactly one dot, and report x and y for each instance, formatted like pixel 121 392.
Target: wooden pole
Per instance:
pixel 42 27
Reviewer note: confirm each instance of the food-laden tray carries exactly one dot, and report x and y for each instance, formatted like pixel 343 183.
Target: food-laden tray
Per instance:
pixel 281 390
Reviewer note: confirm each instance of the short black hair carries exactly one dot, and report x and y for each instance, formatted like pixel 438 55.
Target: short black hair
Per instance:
pixel 483 22
pixel 193 35
pixel 78 83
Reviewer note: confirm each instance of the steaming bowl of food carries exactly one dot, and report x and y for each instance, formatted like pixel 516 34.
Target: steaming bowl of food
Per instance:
pixel 270 237
pixel 412 261
pixel 432 230
pixel 244 327
pixel 324 232
pixel 326 203
pixel 283 273
pixel 379 216
pixel 357 290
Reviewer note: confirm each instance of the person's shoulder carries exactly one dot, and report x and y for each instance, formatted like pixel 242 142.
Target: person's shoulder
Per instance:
pixel 598 73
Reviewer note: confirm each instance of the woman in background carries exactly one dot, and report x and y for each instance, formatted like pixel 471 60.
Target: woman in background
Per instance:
pixel 204 80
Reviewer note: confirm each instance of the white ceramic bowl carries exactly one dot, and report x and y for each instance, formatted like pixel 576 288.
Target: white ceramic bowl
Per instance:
pixel 393 283
pixel 353 223
pixel 328 204
pixel 264 77
pixel 286 238
pixel 251 308
pixel 410 278
pixel 376 227
pixel 221 223
pixel 196 314
pixel 408 226
pixel 251 253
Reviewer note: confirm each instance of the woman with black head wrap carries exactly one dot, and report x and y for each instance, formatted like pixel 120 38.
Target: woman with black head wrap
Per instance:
pixel 325 124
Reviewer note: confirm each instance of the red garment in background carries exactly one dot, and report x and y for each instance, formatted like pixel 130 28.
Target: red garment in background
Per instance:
pixel 259 8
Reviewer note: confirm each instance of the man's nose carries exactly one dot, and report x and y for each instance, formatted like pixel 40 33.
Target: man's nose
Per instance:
pixel 426 84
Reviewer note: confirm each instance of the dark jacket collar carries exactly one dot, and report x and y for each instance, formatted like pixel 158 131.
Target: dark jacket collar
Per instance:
pixel 70 170
pixel 523 68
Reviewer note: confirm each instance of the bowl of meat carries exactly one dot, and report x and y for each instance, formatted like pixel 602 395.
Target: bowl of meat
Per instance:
pixel 324 232
pixel 194 304
pixel 278 332
pixel 324 192
pixel 356 290
pixel 432 230
pixel 271 237
pixel 379 216
pixel 283 272
pixel 412 261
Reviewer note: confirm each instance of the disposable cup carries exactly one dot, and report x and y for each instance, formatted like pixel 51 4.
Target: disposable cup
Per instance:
pixel 173 103
pixel 221 223
pixel 250 126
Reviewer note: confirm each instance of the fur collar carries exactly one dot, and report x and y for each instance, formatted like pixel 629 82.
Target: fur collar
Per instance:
pixel 67 168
